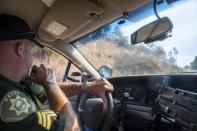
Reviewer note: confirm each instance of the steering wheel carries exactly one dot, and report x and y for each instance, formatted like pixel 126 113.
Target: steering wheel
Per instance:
pixel 94 113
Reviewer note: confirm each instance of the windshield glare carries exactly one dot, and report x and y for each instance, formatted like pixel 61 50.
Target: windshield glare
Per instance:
pixel 111 46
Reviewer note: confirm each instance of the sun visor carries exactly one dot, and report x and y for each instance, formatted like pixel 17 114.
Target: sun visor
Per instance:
pixel 67 17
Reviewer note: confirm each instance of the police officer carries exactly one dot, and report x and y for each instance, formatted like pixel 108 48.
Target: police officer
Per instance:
pixel 19 108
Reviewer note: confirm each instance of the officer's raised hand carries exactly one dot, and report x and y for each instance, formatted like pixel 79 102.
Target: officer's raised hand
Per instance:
pixel 42 75
pixel 57 99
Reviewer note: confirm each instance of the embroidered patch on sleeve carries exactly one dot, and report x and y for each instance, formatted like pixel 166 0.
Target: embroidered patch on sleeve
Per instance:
pixel 45 118
pixel 16 106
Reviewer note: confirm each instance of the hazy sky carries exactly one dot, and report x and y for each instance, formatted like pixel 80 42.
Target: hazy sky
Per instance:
pixel 183 15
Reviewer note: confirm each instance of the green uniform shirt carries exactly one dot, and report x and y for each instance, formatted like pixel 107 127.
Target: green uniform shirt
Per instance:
pixel 20 110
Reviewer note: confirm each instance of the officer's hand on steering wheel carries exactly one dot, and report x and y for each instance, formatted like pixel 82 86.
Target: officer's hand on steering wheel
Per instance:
pixel 100 87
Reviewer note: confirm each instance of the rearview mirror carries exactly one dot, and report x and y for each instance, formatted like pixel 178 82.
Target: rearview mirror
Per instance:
pixel 154 31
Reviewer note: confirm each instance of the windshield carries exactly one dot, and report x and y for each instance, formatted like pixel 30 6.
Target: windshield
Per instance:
pixel 110 45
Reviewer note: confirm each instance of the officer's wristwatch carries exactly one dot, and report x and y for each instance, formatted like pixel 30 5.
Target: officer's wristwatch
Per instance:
pixel 84 86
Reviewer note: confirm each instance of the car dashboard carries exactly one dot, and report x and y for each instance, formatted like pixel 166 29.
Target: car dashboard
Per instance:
pixel 135 99
pixel 137 96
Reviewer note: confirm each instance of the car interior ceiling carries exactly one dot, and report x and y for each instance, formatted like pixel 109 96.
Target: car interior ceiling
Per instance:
pixel 76 17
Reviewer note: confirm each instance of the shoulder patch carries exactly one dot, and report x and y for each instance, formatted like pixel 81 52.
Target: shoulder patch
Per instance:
pixel 45 118
pixel 16 106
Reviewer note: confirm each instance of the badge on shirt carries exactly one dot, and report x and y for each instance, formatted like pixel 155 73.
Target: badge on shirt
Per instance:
pixel 16 106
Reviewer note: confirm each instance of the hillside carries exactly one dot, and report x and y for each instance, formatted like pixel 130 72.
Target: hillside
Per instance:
pixel 98 52
pixel 124 61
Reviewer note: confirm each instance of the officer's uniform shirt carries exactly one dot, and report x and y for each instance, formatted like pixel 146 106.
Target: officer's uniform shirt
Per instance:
pixel 20 110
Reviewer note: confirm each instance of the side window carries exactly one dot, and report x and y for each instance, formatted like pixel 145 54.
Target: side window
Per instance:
pixel 53 60
pixel 74 73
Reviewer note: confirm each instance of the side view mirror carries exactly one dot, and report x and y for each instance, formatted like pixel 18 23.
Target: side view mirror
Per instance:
pixel 154 31
pixel 76 74
pixel 105 70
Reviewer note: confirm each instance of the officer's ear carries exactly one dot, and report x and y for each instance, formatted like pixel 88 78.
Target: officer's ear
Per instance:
pixel 20 49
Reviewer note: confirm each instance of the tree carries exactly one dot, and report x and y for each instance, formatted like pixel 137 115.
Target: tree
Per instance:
pixel 175 53
pixel 194 64
pixel 159 52
pixel 172 55
pixel 117 37
pixel 171 58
